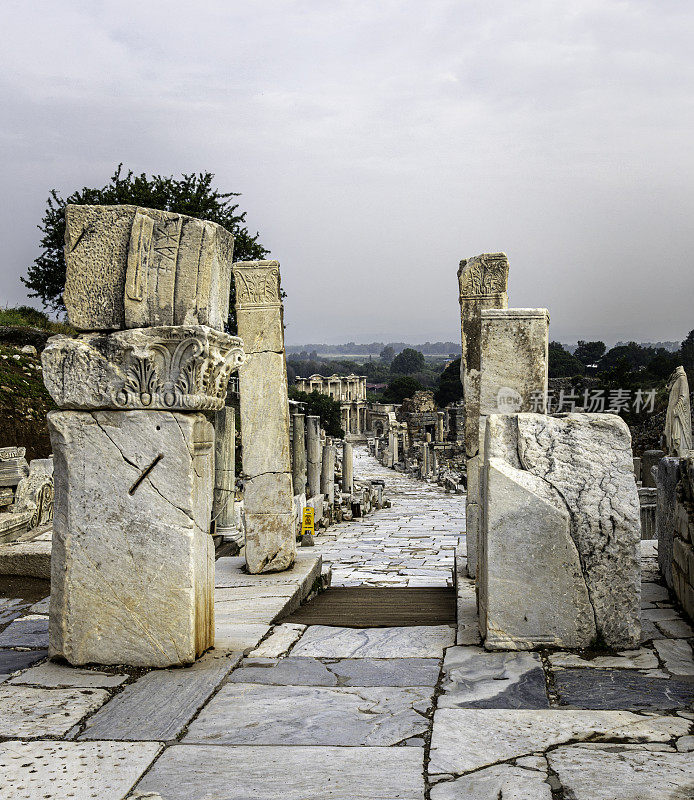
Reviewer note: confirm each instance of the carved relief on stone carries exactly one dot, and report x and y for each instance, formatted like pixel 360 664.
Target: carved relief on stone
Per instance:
pixel 130 267
pixel 257 284
pixel 483 276
pixel 35 492
pixel 181 368
pixel 677 438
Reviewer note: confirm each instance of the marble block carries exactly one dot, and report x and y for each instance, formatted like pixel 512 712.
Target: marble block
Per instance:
pixel 35 492
pixel 132 568
pixel 167 368
pixel 130 267
pixel 560 539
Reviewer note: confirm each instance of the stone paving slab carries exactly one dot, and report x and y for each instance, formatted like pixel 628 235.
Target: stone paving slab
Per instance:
pixel 502 781
pixel 243 713
pixel 324 641
pixel 279 642
pixel 622 772
pixel 53 676
pixel 259 609
pixel 159 704
pixel 32 712
pixel 621 690
pixel 645 658
pixel 29 631
pixel 305 671
pixel 231 637
pixel 193 772
pixel 464 740
pixel 80 770
pixel 474 678
pixel 14 660
pixel 677 655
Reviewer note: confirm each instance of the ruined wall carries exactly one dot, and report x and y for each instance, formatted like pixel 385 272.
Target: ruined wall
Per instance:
pixel 682 545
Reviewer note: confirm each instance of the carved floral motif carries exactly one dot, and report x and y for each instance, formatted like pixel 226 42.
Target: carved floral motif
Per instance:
pixel 484 276
pixel 257 284
pixel 174 368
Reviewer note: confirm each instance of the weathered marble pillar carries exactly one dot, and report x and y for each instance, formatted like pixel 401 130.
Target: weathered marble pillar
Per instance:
pixel 313 455
pixel 299 453
pixel 347 468
pixel 224 470
pixel 132 569
pixel 327 475
pixel 425 460
pixel 439 425
pixel 482 282
pixel 514 372
pixel 268 491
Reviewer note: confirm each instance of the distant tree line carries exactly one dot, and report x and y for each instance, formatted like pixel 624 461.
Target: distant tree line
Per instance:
pixel 374 349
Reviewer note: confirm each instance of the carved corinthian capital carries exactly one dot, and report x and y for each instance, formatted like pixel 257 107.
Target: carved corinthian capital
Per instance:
pixel 172 368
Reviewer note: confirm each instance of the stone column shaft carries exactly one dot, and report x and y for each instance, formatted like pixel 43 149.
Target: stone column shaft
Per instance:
pixel 224 469
pixel 299 453
pixel 327 476
pixel 347 468
pixel 268 491
pixel 313 455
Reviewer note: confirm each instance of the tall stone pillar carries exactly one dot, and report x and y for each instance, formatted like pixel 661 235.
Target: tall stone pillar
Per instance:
pixel 514 357
pixel 396 456
pixel 482 282
pixel 313 455
pixel 299 453
pixel 327 475
pixel 347 468
pixel 132 568
pixel 224 470
pixel 439 425
pixel 268 492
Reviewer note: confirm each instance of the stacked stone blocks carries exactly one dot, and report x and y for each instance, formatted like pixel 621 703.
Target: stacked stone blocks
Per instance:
pixel 132 570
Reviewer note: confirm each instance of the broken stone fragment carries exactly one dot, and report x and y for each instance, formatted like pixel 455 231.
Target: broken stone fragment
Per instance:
pixel 35 492
pixel 171 368
pixel 130 267
pixel 560 538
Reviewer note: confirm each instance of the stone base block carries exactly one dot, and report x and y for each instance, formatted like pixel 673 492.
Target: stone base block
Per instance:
pixel 132 568
pixel 559 560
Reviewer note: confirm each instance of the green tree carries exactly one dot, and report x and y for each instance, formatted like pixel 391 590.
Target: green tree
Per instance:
pixel 449 389
pixel 387 354
pixel 561 363
pixel 323 406
pixel 687 356
pixel 589 352
pixel 192 194
pixel 400 388
pixel 407 362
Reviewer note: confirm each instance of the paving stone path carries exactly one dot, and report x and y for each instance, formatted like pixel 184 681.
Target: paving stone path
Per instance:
pixel 409 544
pixel 318 712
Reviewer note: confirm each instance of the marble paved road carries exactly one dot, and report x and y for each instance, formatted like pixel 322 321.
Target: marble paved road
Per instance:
pixel 331 713
pixel 409 544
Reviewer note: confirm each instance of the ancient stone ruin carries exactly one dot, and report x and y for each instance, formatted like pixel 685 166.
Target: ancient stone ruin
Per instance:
pixel 133 562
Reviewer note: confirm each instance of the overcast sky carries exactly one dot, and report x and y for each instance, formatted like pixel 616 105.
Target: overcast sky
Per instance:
pixel 378 143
